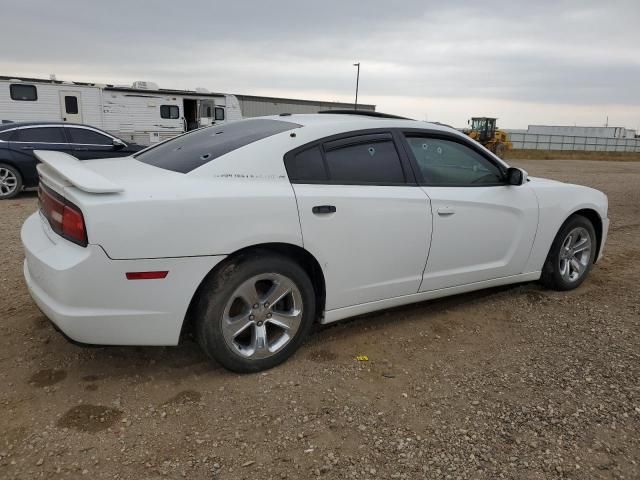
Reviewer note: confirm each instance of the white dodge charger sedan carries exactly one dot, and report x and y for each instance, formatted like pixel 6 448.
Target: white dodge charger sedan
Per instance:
pixel 249 232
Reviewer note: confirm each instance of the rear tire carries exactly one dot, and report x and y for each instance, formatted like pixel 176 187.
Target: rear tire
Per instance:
pixel 254 312
pixel 571 255
pixel 10 181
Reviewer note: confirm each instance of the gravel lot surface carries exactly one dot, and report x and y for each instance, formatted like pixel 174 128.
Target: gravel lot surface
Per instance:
pixel 515 382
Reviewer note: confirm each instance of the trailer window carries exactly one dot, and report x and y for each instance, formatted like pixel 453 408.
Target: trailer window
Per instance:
pixel 219 112
pixel 21 92
pixel 71 104
pixel 194 149
pixel 169 111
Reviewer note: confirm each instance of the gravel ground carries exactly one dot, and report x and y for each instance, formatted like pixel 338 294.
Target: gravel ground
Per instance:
pixel 515 382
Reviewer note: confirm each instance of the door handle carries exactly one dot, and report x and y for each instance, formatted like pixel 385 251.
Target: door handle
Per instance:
pixel 81 149
pixel 323 209
pixel 445 211
pixel 27 148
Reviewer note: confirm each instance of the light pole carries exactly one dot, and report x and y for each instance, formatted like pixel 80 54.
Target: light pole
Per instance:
pixel 357 82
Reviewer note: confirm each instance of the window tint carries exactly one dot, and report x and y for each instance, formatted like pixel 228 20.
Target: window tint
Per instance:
pixel 194 149
pixel 71 104
pixel 6 136
pixel 374 162
pixel 219 112
pixel 169 111
pixel 443 162
pixel 88 137
pixel 306 166
pixel 23 92
pixel 41 135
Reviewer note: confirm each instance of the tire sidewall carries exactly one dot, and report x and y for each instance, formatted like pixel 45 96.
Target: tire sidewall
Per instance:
pixel 215 295
pixel 553 261
pixel 18 188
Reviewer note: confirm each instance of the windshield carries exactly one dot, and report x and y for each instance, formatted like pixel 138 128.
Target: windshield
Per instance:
pixel 192 150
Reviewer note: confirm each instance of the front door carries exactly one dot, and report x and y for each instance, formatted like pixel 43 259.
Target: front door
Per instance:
pixel 483 229
pixel 70 106
pixel 361 218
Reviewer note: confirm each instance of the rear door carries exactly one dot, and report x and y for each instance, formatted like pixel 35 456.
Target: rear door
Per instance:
pixel 362 216
pixel 483 229
pixel 87 143
pixel 27 139
pixel 70 106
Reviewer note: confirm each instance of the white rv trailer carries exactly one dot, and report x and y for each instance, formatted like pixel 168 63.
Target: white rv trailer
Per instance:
pixel 142 113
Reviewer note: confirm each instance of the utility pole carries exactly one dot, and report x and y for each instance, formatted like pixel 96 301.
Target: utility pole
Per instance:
pixel 357 83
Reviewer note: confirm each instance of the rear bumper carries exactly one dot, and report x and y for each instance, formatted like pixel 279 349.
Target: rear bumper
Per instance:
pixel 87 296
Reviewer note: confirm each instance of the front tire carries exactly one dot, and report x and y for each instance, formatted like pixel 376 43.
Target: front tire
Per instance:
pixel 571 255
pixel 10 181
pixel 255 312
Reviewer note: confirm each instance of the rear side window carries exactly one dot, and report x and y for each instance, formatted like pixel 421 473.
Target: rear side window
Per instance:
pixel 6 136
pixel 169 111
pixel 40 135
pixel 306 166
pixel 194 149
pixel 88 137
pixel 23 92
pixel 368 162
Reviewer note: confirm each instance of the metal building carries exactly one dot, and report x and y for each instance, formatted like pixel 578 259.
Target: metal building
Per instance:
pixel 600 132
pixel 254 106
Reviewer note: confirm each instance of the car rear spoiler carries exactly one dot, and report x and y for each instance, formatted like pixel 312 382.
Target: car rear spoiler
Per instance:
pixel 72 170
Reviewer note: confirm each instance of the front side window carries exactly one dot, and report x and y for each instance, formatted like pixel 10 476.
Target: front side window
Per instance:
pixel 71 104
pixel 366 162
pixel 40 135
pixel 88 137
pixel 448 163
pixel 219 112
pixel 169 111
pixel 21 92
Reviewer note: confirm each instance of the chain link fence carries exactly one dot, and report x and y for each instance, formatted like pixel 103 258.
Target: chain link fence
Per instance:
pixel 532 141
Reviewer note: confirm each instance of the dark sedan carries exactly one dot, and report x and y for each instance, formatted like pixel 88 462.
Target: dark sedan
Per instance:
pixel 19 140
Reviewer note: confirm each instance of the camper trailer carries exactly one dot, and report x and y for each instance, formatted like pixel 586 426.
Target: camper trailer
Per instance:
pixel 142 112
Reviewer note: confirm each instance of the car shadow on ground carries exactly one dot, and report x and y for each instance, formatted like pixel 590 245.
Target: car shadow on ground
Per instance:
pixel 155 362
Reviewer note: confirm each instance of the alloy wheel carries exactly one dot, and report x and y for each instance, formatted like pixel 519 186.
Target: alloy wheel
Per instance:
pixel 8 182
pixel 262 316
pixel 575 254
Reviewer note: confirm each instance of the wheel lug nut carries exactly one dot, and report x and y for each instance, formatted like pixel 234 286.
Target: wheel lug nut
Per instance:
pixel 268 315
pixel 252 317
pixel 266 304
pixel 256 305
pixel 259 324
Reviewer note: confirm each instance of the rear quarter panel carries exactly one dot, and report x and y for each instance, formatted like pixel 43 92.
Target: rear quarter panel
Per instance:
pixel 168 214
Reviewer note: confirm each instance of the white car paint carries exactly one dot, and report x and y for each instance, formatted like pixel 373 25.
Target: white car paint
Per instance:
pixel 393 224
pixel 385 246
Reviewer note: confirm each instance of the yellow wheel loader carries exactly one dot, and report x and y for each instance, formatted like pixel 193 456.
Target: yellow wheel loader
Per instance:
pixel 484 131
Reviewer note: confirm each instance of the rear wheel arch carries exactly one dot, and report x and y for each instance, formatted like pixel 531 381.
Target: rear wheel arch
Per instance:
pixel 301 256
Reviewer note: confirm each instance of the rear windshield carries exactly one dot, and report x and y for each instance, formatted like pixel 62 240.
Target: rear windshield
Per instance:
pixel 194 149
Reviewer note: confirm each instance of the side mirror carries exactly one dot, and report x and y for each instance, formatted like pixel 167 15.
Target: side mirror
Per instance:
pixel 118 144
pixel 516 176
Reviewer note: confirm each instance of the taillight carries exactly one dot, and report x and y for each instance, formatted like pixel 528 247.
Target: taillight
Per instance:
pixel 64 217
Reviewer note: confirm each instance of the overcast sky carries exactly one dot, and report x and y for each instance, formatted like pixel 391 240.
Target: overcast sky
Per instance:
pixel 533 62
